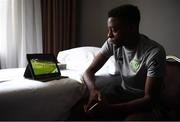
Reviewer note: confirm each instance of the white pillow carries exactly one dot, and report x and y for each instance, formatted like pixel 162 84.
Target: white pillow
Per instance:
pixel 77 58
pixel 80 58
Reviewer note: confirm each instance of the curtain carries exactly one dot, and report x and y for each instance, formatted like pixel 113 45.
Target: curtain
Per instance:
pixel 59 25
pixel 22 31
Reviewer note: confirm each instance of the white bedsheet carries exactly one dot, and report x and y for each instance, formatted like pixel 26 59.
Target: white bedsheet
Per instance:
pixel 24 99
pixel 74 74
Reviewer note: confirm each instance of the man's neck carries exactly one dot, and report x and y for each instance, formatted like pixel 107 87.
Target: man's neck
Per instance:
pixel 133 42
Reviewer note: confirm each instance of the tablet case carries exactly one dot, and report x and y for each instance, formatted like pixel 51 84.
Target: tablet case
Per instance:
pixel 29 73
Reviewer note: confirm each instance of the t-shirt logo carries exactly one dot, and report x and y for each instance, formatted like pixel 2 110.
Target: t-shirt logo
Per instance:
pixel 135 64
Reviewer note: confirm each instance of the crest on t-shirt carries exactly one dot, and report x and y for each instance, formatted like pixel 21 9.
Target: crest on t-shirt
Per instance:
pixel 135 64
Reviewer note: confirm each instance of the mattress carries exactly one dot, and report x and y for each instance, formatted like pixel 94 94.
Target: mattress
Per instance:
pixel 24 99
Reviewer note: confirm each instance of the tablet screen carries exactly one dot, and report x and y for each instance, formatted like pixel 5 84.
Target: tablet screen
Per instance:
pixel 41 67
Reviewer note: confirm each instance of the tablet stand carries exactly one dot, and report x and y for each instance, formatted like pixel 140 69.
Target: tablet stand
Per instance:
pixel 28 72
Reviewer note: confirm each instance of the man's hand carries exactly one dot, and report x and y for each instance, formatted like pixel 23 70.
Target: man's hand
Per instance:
pixel 94 98
pixel 89 80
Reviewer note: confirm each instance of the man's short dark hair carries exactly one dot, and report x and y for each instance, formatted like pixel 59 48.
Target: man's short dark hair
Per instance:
pixel 128 14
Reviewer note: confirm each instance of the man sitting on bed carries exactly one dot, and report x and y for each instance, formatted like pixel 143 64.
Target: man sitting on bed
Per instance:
pixel 141 65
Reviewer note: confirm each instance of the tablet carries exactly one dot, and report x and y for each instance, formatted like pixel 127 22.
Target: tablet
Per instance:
pixel 42 67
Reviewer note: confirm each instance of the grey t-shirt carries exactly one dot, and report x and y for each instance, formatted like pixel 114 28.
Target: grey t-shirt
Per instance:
pixel 135 65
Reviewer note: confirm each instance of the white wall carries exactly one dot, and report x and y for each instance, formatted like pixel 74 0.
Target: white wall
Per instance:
pixel 160 20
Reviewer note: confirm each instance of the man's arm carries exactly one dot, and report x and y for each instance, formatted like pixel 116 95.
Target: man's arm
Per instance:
pixel 152 87
pixel 89 78
pixel 88 75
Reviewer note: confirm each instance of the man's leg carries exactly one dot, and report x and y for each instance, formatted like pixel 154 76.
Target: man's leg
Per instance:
pixel 112 91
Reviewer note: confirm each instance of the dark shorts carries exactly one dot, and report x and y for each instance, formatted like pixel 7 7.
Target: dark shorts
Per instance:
pixel 114 93
pixel 111 89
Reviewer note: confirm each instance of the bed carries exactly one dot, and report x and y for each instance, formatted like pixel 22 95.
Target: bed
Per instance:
pixel 25 99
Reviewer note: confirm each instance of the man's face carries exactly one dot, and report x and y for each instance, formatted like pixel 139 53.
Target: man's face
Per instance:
pixel 117 31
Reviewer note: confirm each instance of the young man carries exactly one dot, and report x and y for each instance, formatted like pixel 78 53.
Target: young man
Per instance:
pixel 140 61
